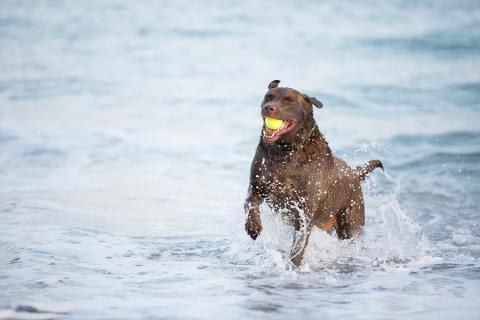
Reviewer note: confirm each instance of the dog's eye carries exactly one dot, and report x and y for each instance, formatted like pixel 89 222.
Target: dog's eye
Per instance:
pixel 288 99
pixel 269 97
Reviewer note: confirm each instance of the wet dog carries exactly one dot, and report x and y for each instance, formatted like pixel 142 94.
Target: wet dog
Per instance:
pixel 295 172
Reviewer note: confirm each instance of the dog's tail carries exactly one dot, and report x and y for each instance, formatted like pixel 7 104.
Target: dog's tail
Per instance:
pixel 362 171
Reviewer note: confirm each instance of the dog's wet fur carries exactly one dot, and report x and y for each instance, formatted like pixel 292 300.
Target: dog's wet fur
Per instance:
pixel 296 174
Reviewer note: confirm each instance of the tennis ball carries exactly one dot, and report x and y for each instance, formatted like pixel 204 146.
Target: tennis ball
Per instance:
pixel 273 124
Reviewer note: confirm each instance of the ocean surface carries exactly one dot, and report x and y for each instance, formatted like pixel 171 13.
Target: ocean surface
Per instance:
pixel 126 134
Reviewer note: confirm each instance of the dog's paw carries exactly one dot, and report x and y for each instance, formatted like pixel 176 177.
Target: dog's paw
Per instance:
pixel 253 233
pixel 253 226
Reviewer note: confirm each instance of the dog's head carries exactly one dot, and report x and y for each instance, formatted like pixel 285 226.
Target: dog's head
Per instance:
pixel 289 105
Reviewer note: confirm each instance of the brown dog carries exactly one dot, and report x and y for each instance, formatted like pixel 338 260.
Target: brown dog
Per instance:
pixel 295 172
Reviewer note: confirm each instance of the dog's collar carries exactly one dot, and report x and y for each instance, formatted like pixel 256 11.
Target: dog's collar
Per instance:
pixel 283 146
pixel 289 147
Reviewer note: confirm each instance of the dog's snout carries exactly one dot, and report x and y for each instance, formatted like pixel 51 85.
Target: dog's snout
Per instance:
pixel 269 108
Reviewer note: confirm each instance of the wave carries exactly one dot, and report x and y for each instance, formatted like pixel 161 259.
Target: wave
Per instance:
pixel 444 139
pixel 470 160
pixel 461 149
pixel 465 95
pixel 451 42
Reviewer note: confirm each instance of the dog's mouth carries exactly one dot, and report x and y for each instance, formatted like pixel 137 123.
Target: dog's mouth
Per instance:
pixel 272 135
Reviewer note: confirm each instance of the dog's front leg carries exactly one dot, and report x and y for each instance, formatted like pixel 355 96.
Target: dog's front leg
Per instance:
pixel 303 228
pixel 253 225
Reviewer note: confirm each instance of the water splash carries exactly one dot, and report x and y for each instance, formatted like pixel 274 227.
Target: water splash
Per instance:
pixel 391 239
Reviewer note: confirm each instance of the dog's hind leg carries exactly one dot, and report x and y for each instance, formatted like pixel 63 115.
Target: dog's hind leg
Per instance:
pixel 351 220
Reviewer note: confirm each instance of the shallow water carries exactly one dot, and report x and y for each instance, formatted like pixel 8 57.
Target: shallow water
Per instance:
pixel 127 131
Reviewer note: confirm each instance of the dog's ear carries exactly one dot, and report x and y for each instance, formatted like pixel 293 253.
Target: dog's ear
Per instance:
pixel 314 101
pixel 273 84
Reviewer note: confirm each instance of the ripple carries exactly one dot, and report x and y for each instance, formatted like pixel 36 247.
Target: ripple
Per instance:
pixel 450 42
pixel 29 312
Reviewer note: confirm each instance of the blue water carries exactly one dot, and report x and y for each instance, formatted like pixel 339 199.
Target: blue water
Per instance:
pixel 127 131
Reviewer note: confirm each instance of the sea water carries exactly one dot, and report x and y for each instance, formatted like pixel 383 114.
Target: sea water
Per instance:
pixel 126 135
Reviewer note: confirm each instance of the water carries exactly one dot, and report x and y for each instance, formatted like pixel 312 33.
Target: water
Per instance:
pixel 127 131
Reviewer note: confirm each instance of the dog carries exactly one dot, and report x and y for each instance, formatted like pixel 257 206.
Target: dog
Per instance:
pixel 296 174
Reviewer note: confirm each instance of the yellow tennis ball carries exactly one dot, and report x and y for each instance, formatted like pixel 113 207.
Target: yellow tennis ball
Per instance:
pixel 273 123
